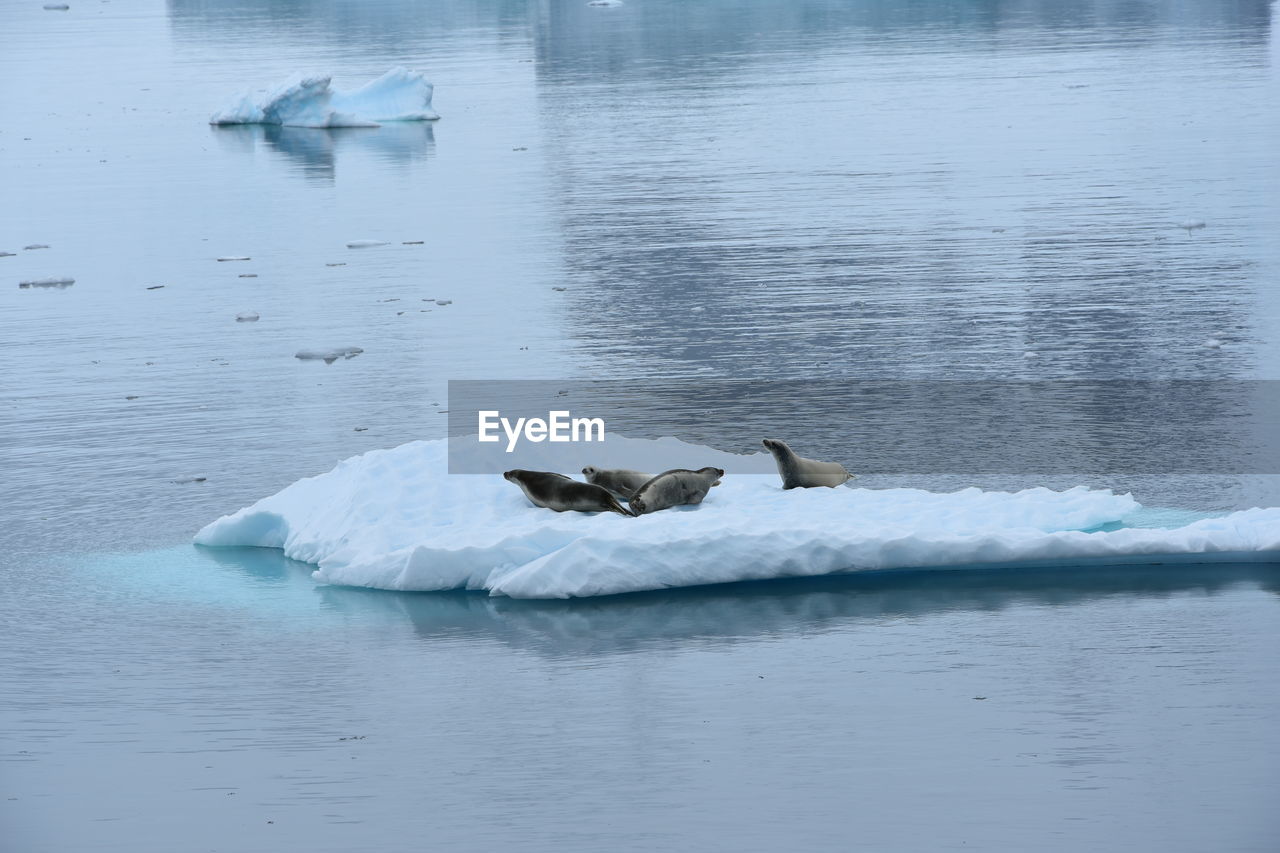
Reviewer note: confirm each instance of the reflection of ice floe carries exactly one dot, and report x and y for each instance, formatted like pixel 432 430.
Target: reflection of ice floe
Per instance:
pixel 309 101
pixel 329 356
pixel 47 282
pixel 395 519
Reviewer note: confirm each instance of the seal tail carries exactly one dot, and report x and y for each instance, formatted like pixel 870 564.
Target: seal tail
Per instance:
pixel 617 507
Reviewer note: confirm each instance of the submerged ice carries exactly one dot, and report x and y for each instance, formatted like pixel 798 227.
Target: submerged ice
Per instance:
pixel 396 519
pixel 310 101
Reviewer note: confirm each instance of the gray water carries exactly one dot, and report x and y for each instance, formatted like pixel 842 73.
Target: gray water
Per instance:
pixel 844 189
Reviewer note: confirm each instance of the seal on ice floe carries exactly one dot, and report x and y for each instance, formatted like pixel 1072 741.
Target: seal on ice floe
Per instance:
pixel 622 482
pixel 798 472
pixel 558 492
pixel 676 487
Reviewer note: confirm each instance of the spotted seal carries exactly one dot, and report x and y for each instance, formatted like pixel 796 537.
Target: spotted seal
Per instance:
pixel 621 482
pixel 558 492
pixel 676 487
pixel 798 472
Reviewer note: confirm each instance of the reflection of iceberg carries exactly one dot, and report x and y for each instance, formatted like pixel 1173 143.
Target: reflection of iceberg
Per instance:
pixel 316 150
pixel 395 519
pixel 309 101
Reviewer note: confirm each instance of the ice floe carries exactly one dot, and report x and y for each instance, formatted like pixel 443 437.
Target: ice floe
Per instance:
pixel 366 244
pixel 308 100
pixel 396 519
pixel 57 281
pixel 234 258
pixel 247 317
pixel 329 356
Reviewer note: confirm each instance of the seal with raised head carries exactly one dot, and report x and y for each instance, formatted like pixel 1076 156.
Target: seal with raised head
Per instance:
pixel 622 482
pixel 676 487
pixel 558 492
pixel 798 472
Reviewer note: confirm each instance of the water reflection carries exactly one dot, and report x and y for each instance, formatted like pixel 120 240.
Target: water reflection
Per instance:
pixel 733 613
pixel 313 152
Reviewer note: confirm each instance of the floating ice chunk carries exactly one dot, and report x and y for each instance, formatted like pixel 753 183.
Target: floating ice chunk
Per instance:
pixel 235 258
pixel 398 95
pixel 366 244
pixel 7 255
pixel 309 101
pixel 444 301
pixel 191 479
pixel 47 282
pixel 1030 355
pixel 247 317
pixel 1192 225
pixel 56 7
pixel 36 246
pixel 413 242
pixel 605 3
pixel 248 275
pixel 328 356
pixel 1213 343
pixel 394 519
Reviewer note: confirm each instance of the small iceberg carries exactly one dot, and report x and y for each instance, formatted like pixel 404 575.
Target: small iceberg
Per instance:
pixel 397 519
pixel 310 101
pixel 328 356
pixel 47 282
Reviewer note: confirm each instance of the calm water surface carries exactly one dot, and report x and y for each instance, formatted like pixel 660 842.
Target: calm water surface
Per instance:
pixel 768 189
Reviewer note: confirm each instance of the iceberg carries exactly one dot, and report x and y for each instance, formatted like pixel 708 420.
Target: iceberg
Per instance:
pixel 308 100
pixel 396 519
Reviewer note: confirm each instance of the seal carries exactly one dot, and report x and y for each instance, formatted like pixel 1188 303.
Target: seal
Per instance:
pixel 676 487
pixel 558 492
pixel 798 472
pixel 622 482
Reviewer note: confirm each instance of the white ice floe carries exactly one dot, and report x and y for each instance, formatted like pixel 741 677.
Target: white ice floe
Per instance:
pixel 366 244
pixel 329 356
pixel 310 101
pixel 395 519
pixel 56 281
pixel 247 317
